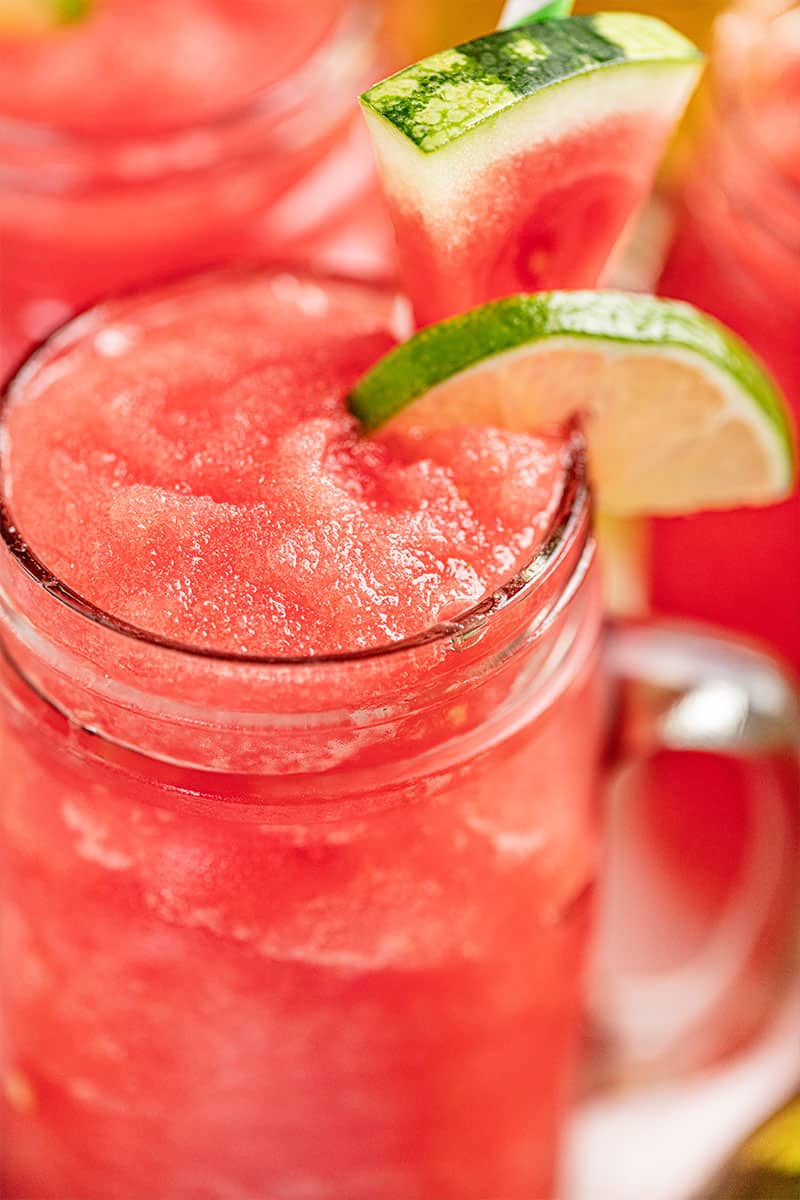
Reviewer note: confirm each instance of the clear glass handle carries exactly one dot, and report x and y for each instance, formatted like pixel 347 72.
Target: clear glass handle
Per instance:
pixel 682 687
pixel 699 902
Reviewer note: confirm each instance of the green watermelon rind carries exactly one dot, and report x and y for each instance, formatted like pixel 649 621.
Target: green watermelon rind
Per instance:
pixel 440 352
pixel 443 98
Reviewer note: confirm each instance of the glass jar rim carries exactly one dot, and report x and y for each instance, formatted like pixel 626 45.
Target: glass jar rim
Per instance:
pixel 569 522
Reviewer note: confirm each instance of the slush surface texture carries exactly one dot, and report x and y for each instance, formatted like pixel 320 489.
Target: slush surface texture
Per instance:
pixel 155 64
pixel 186 462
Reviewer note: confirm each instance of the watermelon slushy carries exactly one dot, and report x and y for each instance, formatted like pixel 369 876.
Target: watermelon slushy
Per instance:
pixel 146 140
pixel 301 754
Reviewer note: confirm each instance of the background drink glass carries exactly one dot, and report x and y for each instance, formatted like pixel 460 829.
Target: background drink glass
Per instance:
pixel 88 211
pixel 711 847
pixel 736 254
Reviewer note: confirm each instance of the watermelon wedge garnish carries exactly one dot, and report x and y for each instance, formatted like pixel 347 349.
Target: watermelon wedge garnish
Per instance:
pixel 515 162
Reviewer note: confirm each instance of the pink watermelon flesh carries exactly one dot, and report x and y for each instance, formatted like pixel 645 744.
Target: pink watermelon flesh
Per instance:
pixel 548 218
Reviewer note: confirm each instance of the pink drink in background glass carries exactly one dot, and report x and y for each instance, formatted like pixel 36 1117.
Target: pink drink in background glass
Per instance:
pixel 148 139
pixel 311 923
pixel 714 844
pixel 737 255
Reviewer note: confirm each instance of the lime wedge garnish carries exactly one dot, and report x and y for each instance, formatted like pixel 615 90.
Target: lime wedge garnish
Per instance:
pixel 515 162
pixel 678 414
pixel 39 16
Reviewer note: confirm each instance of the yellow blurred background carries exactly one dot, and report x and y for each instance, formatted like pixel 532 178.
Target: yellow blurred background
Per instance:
pixel 419 27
